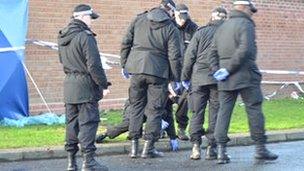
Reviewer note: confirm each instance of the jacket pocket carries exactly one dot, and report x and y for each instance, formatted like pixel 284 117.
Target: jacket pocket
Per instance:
pixel 256 75
pixel 77 88
pixel 89 113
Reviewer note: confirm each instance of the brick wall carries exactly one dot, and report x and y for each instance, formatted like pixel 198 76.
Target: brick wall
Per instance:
pixel 279 30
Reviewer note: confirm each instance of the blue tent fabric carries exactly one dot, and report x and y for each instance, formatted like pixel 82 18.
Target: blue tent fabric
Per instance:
pixel 47 119
pixel 14 20
pixel 14 102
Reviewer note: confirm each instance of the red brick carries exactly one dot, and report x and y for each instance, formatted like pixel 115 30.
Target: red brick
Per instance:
pixel 279 30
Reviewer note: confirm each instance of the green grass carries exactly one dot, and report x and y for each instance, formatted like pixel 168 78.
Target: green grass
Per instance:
pixel 279 114
pixel 31 136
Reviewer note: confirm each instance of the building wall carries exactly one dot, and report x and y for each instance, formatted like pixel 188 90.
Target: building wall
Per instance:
pixel 280 38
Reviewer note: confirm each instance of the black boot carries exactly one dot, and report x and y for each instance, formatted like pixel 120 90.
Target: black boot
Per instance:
pixel 100 138
pixel 72 164
pixel 262 153
pixel 149 150
pixel 90 164
pixel 211 153
pixel 222 157
pixel 134 148
pixel 196 152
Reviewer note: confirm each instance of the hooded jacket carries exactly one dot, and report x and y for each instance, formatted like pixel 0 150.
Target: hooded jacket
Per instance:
pixel 152 46
pixel 234 48
pixel 78 52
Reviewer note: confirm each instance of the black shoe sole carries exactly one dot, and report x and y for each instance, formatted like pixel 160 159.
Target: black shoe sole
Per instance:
pixel 263 158
pixel 223 161
pixel 211 158
pixel 99 141
pixel 152 156
pixel 183 139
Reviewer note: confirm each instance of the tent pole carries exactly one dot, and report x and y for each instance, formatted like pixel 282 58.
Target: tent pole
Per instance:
pixel 39 92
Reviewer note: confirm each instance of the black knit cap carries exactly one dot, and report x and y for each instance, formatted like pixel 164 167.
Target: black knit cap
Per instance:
pixel 220 10
pixel 84 9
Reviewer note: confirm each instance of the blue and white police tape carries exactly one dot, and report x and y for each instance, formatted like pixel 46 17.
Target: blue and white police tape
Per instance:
pixel 106 63
pixel 282 72
pixel 9 49
pixel 54 46
pixel 283 85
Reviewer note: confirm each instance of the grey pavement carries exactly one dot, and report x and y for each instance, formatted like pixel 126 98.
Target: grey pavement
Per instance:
pixel 123 148
pixel 290 159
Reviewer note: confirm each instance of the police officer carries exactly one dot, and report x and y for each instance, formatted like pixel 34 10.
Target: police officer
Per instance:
pixel 151 53
pixel 187 29
pixel 84 83
pixel 233 56
pixel 204 86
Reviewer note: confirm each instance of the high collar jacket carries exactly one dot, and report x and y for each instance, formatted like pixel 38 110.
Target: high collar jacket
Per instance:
pixel 234 48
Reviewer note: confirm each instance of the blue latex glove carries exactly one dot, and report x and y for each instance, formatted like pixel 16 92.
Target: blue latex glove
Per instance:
pixel 221 74
pixel 176 86
pixel 164 124
pixel 186 84
pixel 125 73
pixel 174 145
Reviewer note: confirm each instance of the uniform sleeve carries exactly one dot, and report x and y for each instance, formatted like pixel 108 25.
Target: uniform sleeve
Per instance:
pixel 213 57
pixel 127 43
pixel 93 63
pixel 59 54
pixel 174 53
pixel 245 48
pixel 190 57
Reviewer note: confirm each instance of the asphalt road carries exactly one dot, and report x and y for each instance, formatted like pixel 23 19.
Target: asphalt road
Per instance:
pixel 291 157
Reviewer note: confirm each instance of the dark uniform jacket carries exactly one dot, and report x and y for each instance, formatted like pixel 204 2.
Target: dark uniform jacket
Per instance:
pixel 152 46
pixel 186 33
pixel 234 48
pixel 78 52
pixel 196 63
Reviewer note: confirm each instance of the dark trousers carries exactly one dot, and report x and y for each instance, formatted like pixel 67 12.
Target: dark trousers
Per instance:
pixel 81 126
pixel 199 97
pixel 181 114
pixel 252 98
pixel 123 127
pixel 149 93
pixel 168 117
